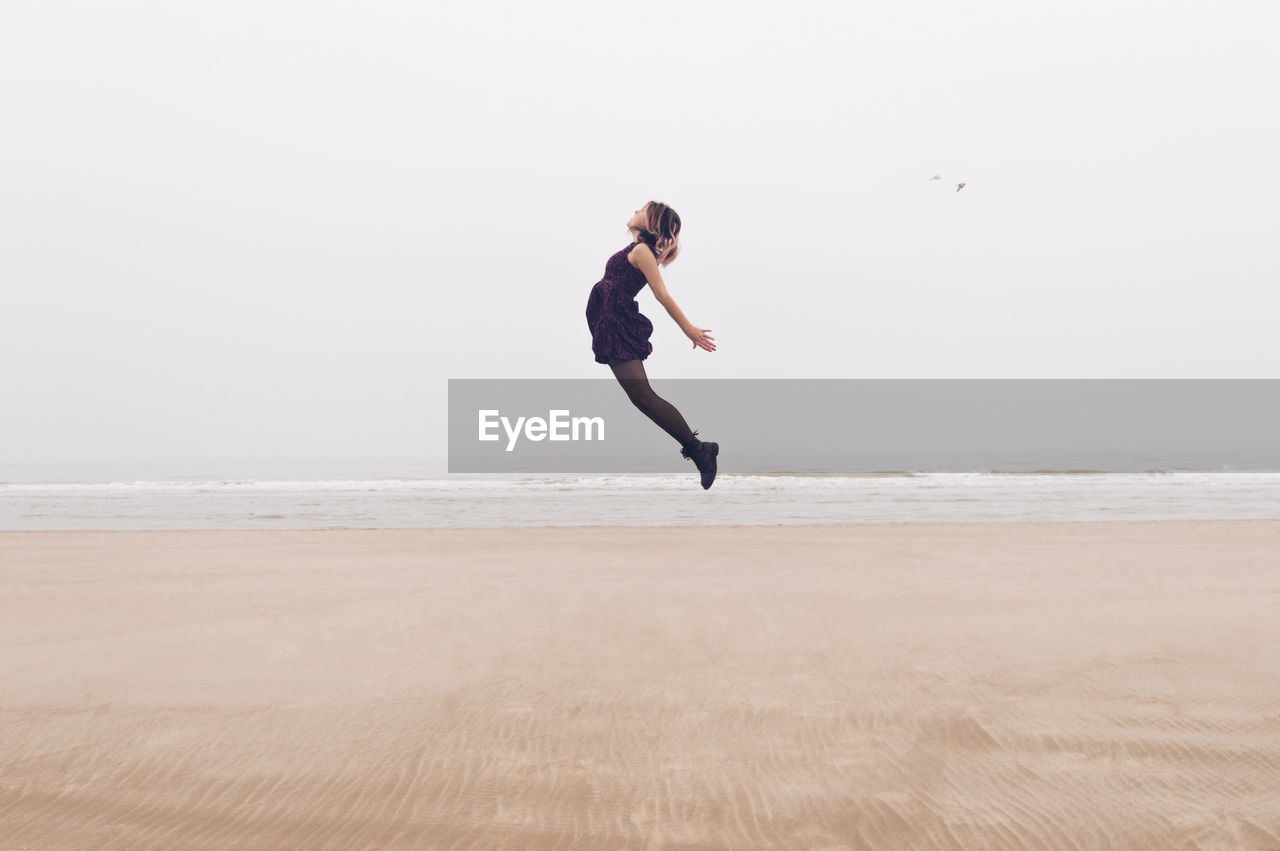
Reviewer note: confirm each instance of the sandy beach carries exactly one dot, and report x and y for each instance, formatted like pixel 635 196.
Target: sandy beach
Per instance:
pixel 1106 685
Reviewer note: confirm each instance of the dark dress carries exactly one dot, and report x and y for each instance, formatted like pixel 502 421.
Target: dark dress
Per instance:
pixel 619 331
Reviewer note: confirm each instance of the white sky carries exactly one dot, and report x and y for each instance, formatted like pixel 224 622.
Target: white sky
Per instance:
pixel 274 228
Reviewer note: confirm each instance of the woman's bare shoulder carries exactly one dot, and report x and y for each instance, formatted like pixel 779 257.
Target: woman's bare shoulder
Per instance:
pixel 643 250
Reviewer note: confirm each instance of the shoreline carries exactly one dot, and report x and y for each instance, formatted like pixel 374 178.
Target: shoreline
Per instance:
pixel 624 526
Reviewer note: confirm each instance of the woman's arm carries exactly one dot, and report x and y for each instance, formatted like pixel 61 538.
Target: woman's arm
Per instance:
pixel 647 263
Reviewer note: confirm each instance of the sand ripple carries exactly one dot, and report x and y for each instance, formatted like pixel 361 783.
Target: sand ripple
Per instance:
pixel 1082 686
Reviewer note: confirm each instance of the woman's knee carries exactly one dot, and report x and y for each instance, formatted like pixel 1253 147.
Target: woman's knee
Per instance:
pixel 647 400
pixel 639 392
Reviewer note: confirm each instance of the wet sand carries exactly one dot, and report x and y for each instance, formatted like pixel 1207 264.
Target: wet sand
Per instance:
pixel 933 686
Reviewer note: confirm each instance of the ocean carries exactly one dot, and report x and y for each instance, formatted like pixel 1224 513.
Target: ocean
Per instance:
pixel 290 495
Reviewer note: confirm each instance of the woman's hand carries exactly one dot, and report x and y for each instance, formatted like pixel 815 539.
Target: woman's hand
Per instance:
pixel 700 337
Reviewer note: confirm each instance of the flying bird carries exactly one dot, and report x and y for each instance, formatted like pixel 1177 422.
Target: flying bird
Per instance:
pixel 936 177
pixel 959 186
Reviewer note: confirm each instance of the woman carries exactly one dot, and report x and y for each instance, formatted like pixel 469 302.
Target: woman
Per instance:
pixel 620 332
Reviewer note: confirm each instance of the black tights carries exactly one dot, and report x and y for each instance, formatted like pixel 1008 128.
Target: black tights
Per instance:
pixel 632 377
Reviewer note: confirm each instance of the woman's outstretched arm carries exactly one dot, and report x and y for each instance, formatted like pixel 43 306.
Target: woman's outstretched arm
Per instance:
pixel 647 263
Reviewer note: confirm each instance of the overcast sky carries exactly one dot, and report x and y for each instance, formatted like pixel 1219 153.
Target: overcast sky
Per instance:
pixel 271 228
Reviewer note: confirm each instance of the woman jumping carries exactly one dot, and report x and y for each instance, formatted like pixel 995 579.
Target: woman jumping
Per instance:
pixel 620 332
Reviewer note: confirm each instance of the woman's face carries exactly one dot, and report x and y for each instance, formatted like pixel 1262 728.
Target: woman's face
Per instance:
pixel 638 218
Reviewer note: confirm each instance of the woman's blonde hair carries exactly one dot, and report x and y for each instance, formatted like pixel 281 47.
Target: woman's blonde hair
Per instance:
pixel 661 232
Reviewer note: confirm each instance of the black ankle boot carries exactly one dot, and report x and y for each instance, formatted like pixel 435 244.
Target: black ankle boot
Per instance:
pixel 704 458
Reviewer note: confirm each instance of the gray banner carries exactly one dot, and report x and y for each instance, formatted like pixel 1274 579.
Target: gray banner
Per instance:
pixel 870 425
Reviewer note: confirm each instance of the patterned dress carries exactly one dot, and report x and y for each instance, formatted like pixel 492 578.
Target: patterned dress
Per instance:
pixel 619 331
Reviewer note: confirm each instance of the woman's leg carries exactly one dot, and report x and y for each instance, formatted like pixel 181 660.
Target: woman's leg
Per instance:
pixel 632 377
